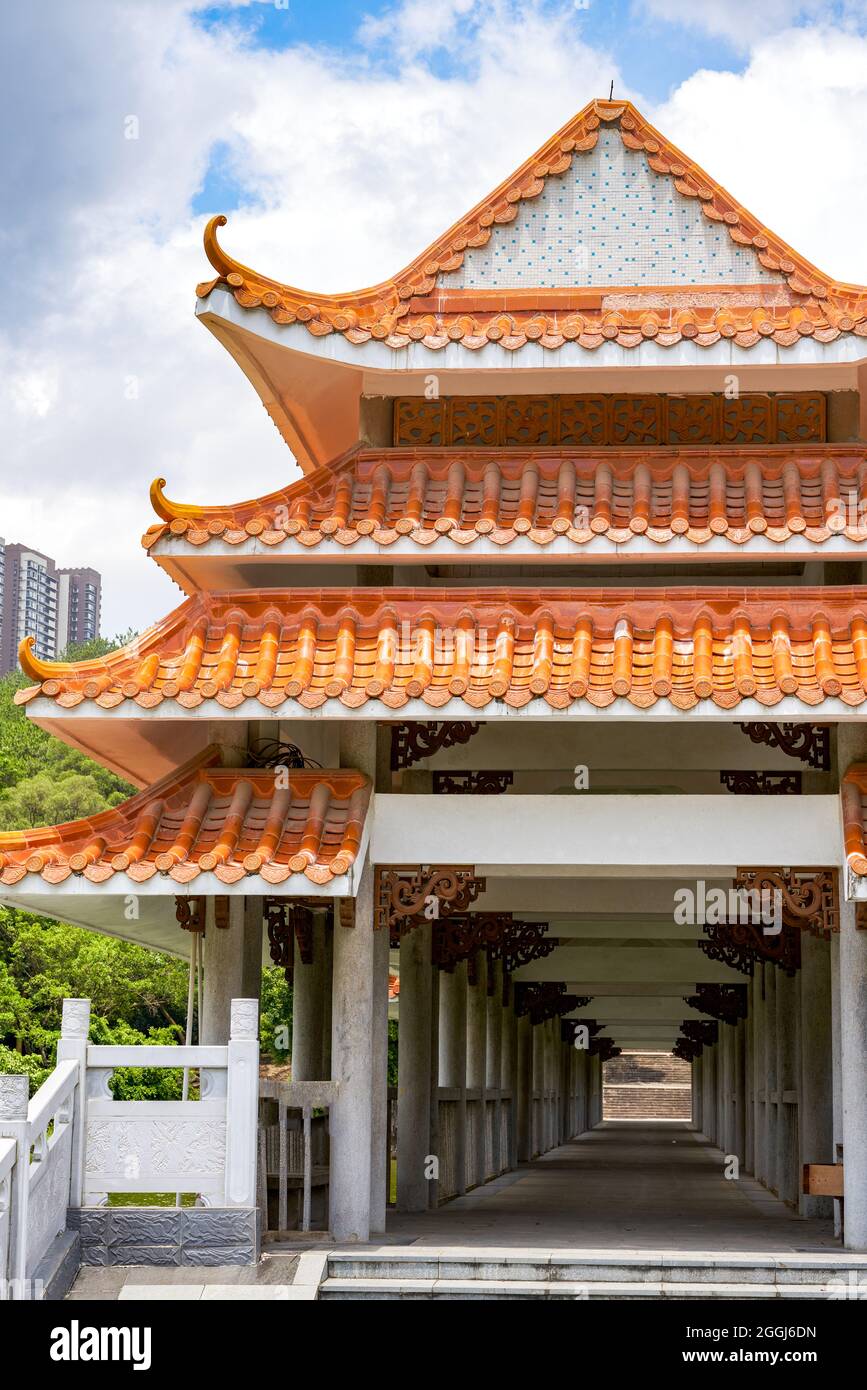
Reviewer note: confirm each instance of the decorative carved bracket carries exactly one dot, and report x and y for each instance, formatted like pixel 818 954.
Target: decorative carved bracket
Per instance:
pixel 421 739
pixel 809 896
pixel 762 783
pixel 190 913
pixel 741 944
pixel 686 1050
pixel 569 1028
pixel 288 922
pixel 402 894
pixel 486 783
pixel 810 743
pixel 704 1031
pixel 604 1049
pixel 546 999
pixel 727 1003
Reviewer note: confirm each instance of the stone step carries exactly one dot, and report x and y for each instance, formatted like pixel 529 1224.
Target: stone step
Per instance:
pixel 334 1290
pixel 781 1271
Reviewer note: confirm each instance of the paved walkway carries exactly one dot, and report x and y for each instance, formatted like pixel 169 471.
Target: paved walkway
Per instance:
pixel 624 1185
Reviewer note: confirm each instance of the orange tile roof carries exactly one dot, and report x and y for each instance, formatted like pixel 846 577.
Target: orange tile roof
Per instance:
pixel 853 796
pixel 542 494
pixel 479 645
pixel 413 306
pixel 235 822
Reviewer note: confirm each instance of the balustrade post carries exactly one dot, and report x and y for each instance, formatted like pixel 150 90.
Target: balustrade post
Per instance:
pixel 72 1047
pixel 14 1094
pixel 242 1103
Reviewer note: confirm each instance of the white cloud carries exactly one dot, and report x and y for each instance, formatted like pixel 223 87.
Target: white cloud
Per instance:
pixel 786 137
pixel 351 169
pixel 742 22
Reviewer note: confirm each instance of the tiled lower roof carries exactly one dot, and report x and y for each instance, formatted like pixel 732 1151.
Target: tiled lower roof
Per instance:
pixel 481 645
pixel 853 794
pixel 429 495
pixel 234 822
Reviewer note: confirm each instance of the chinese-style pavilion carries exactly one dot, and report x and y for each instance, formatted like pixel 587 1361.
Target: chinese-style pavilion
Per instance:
pixel 564 617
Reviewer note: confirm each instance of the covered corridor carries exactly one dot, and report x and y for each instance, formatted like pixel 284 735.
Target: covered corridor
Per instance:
pixel 623 1186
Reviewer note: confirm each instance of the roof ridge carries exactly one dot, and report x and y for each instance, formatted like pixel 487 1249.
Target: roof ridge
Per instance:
pixel 378 309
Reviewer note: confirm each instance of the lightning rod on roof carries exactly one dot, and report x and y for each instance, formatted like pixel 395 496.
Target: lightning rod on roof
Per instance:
pixel 611 93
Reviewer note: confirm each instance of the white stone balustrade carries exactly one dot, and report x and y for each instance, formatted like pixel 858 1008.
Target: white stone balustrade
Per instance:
pixel 72 1144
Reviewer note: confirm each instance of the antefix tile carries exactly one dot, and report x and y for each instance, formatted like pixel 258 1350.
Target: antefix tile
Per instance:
pixel 479 646
pixel 235 822
pixel 463 496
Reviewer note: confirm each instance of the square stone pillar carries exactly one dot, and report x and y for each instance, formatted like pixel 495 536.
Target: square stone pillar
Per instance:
pixel 308 1006
pixel 817 1084
pixel 477 1064
pixel 788 1170
pixel 524 1111
pixel 771 1093
pixel 414 1069
pixel 760 1081
pixel 494 1059
pixel 351 1119
pixel 453 1059
pixel 853 1018
pixel 509 1081
pixel 223 956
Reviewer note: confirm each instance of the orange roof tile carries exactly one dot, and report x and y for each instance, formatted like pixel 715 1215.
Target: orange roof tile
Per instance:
pixel 482 645
pixel 818 491
pixel 853 796
pixel 414 306
pixel 234 822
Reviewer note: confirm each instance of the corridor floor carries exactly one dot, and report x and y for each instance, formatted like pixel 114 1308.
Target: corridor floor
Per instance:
pixel 620 1186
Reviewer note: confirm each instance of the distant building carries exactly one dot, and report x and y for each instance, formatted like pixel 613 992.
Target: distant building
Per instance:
pixel 55 606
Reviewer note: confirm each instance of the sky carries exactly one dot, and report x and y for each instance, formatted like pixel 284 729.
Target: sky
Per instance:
pixel 340 138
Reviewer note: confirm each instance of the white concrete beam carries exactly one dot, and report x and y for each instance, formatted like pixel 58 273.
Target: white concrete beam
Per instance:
pixel 587 835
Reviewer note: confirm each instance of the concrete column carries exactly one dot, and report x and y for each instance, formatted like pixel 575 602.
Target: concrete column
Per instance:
pixel 788 1009
pixel 853 1018
pixel 836 1067
pixel 710 1100
pixel 757 1006
pixel 771 1095
pixel 538 1037
pixel 725 1088
pixel 223 955
pixel 524 1111
pixel 414 1069
pixel 308 1007
pixel 494 1059
pixel 251 972
pixel 365 747
pixel 749 1103
pixel 582 1118
pixel 379 1156
pixel 697 1092
pixel 351 1121
pixel 328 952
pixel 509 1081
pixel 477 1061
pixel 816 1118
pixel 739 1106
pixel 453 1058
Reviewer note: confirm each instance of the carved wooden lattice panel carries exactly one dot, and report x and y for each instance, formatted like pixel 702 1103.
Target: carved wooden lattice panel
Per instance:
pixel 627 419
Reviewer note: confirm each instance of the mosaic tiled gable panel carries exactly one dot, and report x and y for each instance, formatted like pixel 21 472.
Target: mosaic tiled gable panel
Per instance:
pixel 497 421
pixel 609 220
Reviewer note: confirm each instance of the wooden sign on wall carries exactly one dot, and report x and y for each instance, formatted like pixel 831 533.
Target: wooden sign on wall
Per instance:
pixel 603 420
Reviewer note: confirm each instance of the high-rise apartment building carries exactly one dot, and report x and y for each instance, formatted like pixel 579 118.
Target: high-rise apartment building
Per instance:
pixel 55 606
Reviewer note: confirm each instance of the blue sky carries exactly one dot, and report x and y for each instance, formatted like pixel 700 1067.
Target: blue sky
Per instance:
pixel 340 138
